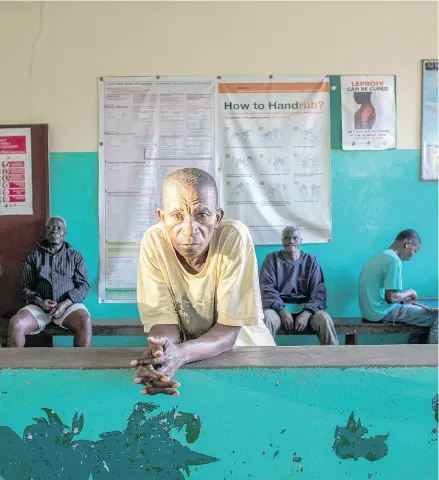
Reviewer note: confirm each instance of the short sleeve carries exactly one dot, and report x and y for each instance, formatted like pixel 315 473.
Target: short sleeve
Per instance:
pixel 393 275
pixel 154 297
pixel 238 294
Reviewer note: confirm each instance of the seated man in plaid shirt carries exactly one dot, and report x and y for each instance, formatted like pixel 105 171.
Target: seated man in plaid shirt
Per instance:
pixel 54 284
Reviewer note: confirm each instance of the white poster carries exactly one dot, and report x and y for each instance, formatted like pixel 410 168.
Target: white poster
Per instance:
pixel 148 128
pixel 274 155
pixel 15 171
pixel 368 112
pixel 430 143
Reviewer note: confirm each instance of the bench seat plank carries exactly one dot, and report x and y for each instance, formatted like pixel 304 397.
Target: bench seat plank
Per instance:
pixel 133 327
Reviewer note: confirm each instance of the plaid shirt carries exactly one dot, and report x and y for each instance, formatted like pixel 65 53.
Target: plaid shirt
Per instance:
pixel 56 276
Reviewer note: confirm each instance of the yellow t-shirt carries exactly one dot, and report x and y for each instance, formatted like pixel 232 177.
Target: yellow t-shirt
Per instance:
pixel 225 291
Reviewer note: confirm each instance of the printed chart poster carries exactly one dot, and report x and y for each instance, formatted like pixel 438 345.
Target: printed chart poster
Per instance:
pixel 430 147
pixel 15 171
pixel 274 155
pixel 368 112
pixel 148 128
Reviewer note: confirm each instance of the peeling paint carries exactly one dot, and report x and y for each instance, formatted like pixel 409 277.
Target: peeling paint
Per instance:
pixel 144 450
pixel 350 442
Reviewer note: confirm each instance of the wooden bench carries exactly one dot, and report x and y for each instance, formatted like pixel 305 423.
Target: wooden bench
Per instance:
pixel 349 327
pixel 100 327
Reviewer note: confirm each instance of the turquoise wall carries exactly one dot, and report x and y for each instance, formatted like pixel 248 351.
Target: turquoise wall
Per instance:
pixel 285 423
pixel 374 196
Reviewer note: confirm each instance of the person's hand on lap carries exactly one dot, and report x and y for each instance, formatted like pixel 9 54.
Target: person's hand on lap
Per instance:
pixel 287 321
pixel 60 308
pixel 302 320
pixel 45 305
pixel 411 297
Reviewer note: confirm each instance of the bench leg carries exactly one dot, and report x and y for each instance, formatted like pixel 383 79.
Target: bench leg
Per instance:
pixel 351 339
pixel 418 339
pixel 40 340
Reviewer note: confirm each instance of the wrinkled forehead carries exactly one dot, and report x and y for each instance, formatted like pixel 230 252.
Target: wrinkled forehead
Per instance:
pixel 291 232
pixel 180 196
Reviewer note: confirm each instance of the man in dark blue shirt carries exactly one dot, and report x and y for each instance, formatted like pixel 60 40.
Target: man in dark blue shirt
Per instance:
pixel 54 284
pixel 293 277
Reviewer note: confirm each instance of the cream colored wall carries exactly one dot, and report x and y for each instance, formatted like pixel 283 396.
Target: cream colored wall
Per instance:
pixel 53 53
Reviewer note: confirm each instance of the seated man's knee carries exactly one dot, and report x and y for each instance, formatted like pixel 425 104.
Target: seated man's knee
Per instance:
pixel 16 324
pixel 19 326
pixel 78 321
pixel 321 318
pixel 21 323
pixel 271 317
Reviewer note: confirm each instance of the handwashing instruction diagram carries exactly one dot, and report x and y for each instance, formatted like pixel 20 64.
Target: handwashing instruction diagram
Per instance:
pixel 273 155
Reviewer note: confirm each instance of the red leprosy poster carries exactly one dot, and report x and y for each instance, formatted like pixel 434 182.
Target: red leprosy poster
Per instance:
pixel 368 112
pixel 15 171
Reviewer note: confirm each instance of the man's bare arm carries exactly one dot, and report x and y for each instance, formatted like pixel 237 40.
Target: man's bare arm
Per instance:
pixel 219 339
pixel 170 331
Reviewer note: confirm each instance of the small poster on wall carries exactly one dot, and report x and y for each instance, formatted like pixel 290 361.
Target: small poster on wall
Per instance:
pixel 15 171
pixel 430 143
pixel 368 112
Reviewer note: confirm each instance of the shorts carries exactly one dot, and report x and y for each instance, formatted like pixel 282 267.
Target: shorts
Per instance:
pixel 44 319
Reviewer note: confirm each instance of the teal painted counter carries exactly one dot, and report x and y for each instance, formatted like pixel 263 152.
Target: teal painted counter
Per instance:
pixel 279 422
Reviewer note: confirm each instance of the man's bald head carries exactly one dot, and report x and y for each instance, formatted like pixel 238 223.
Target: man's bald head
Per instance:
pixel 291 240
pixel 190 178
pixel 190 212
pixel 290 230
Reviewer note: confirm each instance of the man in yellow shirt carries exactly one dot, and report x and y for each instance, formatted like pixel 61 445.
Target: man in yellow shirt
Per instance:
pixel 197 287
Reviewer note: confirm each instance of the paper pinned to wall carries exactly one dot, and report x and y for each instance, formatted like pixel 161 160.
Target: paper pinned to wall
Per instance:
pixel 272 163
pixel 430 143
pixel 368 112
pixel 149 127
pixel 274 155
pixel 16 171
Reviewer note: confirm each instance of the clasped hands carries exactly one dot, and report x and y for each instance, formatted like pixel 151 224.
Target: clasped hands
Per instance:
pixel 157 367
pixel 287 320
pixel 54 309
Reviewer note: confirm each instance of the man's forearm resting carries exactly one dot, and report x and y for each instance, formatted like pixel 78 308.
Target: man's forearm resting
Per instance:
pixel 392 296
pixel 170 331
pixel 219 339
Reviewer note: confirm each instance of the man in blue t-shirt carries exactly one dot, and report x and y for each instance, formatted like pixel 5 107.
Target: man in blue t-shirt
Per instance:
pixel 381 295
pixel 293 277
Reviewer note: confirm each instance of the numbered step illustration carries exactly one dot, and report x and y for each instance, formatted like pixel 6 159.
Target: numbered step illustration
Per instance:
pixel 261 137
pixel 305 191
pixel 240 163
pixel 304 137
pixel 250 164
pixel 241 192
pixel 275 163
pixel 273 191
pixel 307 163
